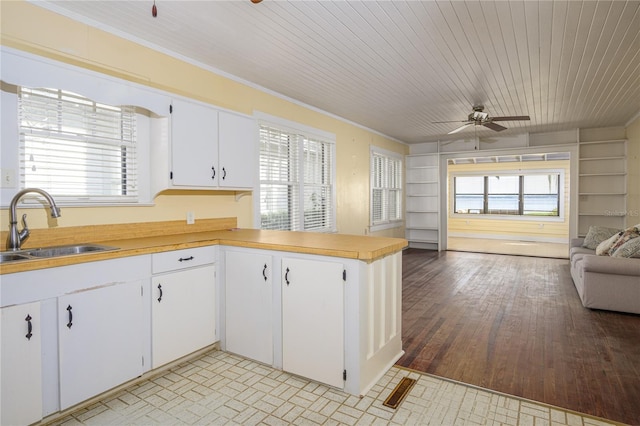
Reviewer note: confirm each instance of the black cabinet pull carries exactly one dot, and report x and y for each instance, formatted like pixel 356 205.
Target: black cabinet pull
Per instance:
pixel 29 327
pixel 264 272
pixel 224 174
pixel 213 169
pixel 70 323
pixel 160 288
pixel 184 259
pixel 286 276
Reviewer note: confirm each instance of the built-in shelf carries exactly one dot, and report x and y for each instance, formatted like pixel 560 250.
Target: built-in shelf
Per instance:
pixel 602 183
pixel 422 201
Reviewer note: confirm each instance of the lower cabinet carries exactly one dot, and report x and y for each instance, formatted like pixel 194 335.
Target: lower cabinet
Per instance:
pixel 313 320
pixel 183 311
pixel 21 368
pixel 248 305
pixel 100 334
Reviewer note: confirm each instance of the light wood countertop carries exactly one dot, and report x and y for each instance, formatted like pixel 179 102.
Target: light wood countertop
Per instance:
pixel 364 248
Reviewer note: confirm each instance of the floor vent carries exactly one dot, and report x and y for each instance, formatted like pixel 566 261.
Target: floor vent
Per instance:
pixel 399 393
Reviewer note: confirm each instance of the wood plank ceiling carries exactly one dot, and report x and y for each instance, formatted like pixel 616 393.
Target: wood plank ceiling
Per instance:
pixel 398 66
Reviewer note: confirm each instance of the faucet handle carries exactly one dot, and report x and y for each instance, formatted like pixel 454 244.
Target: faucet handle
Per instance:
pixel 24 234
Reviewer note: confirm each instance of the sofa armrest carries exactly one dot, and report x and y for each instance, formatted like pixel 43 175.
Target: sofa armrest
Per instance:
pixel 577 242
pixel 611 265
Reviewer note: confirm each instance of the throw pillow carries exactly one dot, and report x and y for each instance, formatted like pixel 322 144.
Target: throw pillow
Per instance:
pixel 596 235
pixel 627 235
pixel 629 249
pixel 603 248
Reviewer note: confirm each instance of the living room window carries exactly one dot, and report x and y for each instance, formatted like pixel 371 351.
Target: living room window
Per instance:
pixel 80 151
pixel 386 189
pixel 297 175
pixel 532 194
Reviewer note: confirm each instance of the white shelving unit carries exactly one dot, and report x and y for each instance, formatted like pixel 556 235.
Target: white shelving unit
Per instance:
pixel 602 185
pixel 423 201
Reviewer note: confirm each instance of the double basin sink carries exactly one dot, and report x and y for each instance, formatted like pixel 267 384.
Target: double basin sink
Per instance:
pixel 50 252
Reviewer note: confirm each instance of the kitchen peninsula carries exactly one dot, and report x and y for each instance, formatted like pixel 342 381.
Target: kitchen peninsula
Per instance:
pixel 323 306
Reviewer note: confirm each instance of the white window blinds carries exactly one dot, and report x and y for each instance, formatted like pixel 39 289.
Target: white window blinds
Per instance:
pixel 78 150
pixel 386 188
pixel 296 181
pixel 318 185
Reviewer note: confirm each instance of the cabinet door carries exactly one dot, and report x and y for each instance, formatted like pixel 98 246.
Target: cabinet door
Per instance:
pixel 313 320
pixel 100 340
pixel 238 138
pixel 248 305
pixel 21 369
pixel 183 313
pixel 194 145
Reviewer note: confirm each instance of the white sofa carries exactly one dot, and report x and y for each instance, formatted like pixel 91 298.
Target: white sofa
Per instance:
pixel 605 282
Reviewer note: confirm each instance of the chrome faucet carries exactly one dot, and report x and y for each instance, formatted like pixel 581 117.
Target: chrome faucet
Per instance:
pixel 16 238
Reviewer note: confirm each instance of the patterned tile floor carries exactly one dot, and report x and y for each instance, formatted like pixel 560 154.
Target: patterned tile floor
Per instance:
pixel 218 388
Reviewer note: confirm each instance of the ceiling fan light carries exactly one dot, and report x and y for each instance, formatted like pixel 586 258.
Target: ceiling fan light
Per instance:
pixel 479 115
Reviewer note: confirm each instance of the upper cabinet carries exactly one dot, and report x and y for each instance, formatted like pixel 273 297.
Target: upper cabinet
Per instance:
pixel 206 148
pixel 194 145
pixel 237 150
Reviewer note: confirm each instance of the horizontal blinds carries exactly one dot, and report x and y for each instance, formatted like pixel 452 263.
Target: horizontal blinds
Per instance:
pixel 318 185
pixel 386 188
pixel 75 148
pixel 296 181
pixel 379 202
pixel 279 200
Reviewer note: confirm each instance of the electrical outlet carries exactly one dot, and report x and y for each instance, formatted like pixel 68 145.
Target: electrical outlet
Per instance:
pixel 8 178
pixel 191 219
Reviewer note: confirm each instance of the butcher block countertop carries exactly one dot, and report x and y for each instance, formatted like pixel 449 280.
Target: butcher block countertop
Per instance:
pixel 156 237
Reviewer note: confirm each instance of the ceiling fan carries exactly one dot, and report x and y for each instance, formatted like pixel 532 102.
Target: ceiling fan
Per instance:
pixel 480 118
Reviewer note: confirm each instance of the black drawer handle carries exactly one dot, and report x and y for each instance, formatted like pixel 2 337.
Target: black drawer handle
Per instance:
pixel 286 276
pixel 213 169
pixel 29 327
pixel 160 288
pixel 70 323
pixel 264 272
pixel 184 259
pixel 224 174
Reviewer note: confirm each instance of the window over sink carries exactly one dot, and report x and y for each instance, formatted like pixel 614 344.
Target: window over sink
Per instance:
pixel 76 149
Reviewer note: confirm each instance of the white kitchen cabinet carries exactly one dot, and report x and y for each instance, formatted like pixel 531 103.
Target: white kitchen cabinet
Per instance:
pixel 248 305
pixel 208 149
pixel 65 353
pixel 100 336
pixel 183 311
pixel 194 145
pixel 21 368
pixel 313 321
pixel 237 149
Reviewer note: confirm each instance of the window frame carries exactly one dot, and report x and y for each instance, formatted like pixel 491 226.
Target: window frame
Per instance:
pixel 21 68
pixel 509 216
pixel 386 222
pixel 78 131
pixel 302 134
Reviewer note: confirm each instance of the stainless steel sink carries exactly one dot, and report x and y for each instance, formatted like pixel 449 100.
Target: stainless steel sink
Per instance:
pixel 10 257
pixel 55 251
pixel 67 250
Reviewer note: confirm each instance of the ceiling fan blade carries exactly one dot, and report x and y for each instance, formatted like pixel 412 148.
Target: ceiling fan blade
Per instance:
pixel 511 118
pixel 464 126
pixel 453 121
pixel 494 126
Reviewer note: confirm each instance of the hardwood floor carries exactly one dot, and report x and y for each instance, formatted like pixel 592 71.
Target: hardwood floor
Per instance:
pixel 515 324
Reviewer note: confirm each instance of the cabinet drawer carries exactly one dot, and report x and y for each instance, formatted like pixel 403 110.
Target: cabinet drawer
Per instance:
pixel 181 259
